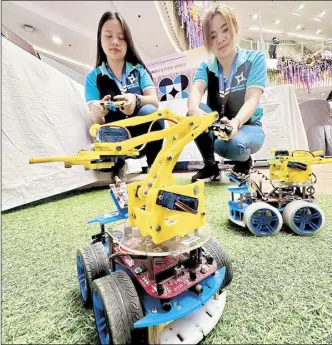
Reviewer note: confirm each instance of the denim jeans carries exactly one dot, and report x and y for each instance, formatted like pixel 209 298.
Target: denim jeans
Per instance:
pixel 152 148
pixel 249 140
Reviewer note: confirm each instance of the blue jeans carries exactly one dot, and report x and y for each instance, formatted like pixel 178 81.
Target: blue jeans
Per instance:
pixel 152 148
pixel 148 109
pixel 249 140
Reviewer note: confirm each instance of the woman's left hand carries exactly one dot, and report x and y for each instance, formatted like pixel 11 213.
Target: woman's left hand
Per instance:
pixel 130 103
pixel 234 123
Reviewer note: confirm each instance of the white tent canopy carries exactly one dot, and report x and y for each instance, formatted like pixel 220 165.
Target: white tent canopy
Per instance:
pixel 44 114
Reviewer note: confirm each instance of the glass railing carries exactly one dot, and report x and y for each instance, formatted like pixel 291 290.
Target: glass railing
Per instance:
pixel 289 49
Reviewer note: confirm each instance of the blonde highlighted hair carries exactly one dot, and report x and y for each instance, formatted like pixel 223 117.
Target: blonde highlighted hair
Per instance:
pixel 229 17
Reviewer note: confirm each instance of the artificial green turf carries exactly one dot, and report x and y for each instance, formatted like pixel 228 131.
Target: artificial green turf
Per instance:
pixel 281 291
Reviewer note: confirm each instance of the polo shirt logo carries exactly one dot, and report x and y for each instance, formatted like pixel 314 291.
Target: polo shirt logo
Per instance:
pixel 132 79
pixel 240 78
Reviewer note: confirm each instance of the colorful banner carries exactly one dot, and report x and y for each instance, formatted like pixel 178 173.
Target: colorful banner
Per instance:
pixel 167 64
pixel 173 74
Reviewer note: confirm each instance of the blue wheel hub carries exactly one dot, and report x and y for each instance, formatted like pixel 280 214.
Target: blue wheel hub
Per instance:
pixel 307 220
pixel 81 278
pixel 264 222
pixel 100 318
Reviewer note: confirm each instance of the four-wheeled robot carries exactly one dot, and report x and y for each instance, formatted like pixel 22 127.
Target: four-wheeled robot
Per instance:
pixel 153 273
pixel 288 199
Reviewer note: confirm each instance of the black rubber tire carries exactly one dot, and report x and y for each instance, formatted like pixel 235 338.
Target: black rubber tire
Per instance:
pixel 132 304
pixel 219 254
pixel 96 265
pixel 121 305
pixel 129 296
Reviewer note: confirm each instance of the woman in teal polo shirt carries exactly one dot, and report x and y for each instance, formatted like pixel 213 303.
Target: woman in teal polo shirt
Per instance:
pixel 234 80
pixel 120 75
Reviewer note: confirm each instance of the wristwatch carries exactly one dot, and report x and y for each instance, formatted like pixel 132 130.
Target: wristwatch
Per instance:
pixel 138 100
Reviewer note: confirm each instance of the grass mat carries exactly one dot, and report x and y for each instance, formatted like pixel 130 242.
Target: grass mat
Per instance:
pixel 281 291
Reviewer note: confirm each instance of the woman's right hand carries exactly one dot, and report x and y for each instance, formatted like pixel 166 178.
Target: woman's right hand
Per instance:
pixel 196 111
pixel 99 111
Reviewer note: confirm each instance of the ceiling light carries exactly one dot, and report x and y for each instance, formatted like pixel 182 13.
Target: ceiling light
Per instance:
pixel 254 17
pixel 277 21
pixel 316 19
pixel 296 14
pixel 56 39
pixel 318 31
pixel 28 28
pixel 307 37
pixel 301 6
pixel 323 13
pixel 298 27
pixel 255 28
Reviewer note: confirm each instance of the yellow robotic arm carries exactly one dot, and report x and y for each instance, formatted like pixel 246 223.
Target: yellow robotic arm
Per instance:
pixel 157 206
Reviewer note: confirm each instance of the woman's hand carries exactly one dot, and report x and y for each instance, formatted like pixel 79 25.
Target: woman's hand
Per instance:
pixel 130 103
pixel 196 111
pixel 235 123
pixel 97 110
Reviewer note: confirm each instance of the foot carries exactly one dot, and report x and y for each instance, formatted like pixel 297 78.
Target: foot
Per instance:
pixel 210 172
pixel 225 178
pixel 242 169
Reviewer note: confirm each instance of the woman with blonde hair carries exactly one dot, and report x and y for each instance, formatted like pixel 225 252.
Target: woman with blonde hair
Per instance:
pixel 234 80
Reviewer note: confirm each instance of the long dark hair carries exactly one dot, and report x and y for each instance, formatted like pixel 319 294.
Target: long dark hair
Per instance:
pixel 132 55
pixel 329 97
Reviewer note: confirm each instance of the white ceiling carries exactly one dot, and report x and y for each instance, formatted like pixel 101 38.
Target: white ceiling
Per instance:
pixel 271 11
pixel 76 22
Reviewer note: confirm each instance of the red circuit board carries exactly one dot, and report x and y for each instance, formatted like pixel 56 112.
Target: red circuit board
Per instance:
pixel 176 283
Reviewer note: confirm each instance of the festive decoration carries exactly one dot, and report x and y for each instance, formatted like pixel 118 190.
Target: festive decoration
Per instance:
pixel 191 21
pixel 308 72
